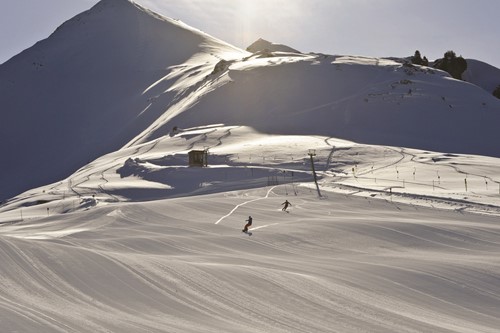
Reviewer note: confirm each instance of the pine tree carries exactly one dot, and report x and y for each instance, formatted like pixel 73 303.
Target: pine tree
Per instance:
pixel 496 92
pixel 452 64
pixel 417 58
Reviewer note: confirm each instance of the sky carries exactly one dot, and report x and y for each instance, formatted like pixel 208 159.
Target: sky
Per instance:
pixel 380 28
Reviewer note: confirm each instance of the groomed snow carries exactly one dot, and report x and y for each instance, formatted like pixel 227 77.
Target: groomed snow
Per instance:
pixel 340 264
pixel 118 75
pixel 382 249
pixel 401 234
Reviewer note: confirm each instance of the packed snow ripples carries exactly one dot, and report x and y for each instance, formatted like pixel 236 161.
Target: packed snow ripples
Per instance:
pixel 369 255
pixel 391 239
pixel 325 266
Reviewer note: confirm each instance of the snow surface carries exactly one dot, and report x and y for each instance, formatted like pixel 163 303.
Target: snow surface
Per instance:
pixel 118 75
pixel 136 241
pixel 83 91
pixel 396 237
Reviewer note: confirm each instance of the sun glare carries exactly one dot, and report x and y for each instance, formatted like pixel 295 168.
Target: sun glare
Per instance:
pixel 256 19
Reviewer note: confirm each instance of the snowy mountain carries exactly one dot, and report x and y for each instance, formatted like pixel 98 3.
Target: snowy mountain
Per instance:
pixel 482 75
pixel 264 45
pixel 119 74
pixel 105 226
pixel 88 88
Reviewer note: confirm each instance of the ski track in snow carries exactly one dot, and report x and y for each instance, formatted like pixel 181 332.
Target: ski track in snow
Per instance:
pixel 167 268
pixel 90 254
pixel 244 203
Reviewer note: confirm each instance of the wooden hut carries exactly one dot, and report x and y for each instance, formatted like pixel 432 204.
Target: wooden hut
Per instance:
pixel 198 158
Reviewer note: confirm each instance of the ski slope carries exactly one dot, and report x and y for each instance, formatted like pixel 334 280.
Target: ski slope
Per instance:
pixel 104 226
pixel 119 75
pixel 339 264
pixel 138 242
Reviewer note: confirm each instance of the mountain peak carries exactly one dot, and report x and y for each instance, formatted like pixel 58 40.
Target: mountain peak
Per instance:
pixel 94 71
pixel 115 4
pixel 121 4
pixel 102 8
pixel 264 45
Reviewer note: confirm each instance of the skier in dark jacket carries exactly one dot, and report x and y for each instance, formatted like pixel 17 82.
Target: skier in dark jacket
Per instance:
pixel 286 203
pixel 249 223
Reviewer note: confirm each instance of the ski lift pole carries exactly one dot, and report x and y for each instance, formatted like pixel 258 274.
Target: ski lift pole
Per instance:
pixel 312 153
pixel 205 156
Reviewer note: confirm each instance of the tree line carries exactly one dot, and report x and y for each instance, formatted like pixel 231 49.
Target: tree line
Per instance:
pixel 450 63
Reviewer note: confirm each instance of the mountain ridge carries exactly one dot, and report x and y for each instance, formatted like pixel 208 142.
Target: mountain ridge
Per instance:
pixel 119 75
pixel 86 85
pixel 146 238
pixel 264 45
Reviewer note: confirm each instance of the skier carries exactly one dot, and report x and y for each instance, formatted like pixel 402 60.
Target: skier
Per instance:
pixel 286 203
pixel 249 223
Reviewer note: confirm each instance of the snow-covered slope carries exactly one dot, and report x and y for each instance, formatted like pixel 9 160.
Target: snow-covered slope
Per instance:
pixel 341 264
pixel 400 234
pixel 241 158
pixel 362 99
pixel 400 240
pixel 118 75
pixel 91 87
pixel 482 74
